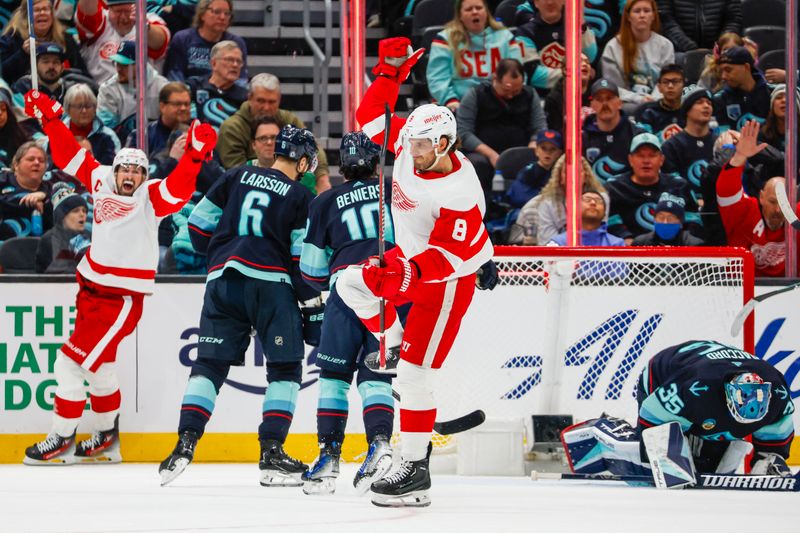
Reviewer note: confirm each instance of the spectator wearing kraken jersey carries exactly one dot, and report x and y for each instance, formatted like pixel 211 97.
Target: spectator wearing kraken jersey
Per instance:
pixel 745 93
pixel 662 118
pixel 543 40
pixel 217 96
pixel 755 224
pixel 634 196
pixel 608 133
pixel 689 152
pixel 467 51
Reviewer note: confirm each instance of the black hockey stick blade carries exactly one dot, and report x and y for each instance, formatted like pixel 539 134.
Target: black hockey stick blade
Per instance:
pixel 741 316
pixel 786 208
pixel 704 481
pixel 460 424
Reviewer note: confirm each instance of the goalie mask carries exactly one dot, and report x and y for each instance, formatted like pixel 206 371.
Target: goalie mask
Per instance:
pixel 295 143
pixel 747 396
pixel 425 126
pixel 358 156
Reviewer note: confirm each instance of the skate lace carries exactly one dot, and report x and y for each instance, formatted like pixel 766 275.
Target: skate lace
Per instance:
pixel 92 442
pixel 50 443
pixel 402 471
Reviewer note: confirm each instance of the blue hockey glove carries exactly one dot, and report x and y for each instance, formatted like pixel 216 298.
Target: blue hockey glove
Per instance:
pixel 312 324
pixel 770 464
pixel 487 276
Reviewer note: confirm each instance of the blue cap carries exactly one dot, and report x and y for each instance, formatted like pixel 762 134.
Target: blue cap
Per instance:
pixel 736 55
pixel 550 136
pixel 604 84
pixel 645 138
pixel 126 55
pixel 49 48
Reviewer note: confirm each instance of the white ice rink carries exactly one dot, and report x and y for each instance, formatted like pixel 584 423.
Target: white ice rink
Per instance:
pixel 227 497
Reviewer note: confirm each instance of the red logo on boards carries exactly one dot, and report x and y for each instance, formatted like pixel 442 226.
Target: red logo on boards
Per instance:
pixel 108 209
pixel 400 200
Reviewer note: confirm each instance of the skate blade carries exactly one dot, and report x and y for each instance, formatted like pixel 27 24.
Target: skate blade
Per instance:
pixel 168 475
pixel 276 478
pixel 417 498
pixel 320 487
pixel 382 467
pixel 55 461
pixel 99 459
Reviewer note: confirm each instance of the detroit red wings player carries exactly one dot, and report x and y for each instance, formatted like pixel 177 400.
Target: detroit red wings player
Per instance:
pixel 437 212
pixel 114 275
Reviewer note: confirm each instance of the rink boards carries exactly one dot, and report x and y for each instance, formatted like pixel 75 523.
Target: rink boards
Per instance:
pixel 499 363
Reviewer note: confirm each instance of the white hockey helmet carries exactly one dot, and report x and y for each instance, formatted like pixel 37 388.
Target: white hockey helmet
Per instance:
pixel 432 122
pixel 132 156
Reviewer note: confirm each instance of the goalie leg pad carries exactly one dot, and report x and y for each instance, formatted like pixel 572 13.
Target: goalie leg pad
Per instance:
pixel 604 445
pixel 670 457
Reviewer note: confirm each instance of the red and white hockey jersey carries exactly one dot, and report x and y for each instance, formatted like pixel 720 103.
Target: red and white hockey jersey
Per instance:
pixel 124 249
pixel 438 218
pixel 100 41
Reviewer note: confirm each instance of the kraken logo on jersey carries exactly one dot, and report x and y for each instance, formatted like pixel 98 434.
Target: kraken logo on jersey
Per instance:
pixel 645 215
pixel 597 19
pixel 695 172
pixel 606 168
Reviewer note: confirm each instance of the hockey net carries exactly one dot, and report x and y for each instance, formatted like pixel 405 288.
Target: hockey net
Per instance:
pixel 568 330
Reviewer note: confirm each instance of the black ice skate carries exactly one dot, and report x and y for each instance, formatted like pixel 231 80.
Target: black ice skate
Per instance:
pixel 376 465
pixel 406 485
pixel 179 459
pixel 373 361
pixel 101 448
pixel 278 469
pixel 54 450
pixel 321 477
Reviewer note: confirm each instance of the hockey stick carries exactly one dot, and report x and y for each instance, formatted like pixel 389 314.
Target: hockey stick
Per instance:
pixel 741 316
pixel 704 481
pixel 32 45
pixel 456 425
pixel 387 127
pixel 786 207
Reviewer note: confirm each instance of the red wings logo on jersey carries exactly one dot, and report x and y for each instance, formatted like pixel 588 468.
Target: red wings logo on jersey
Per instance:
pixel 108 49
pixel 400 200
pixel 108 209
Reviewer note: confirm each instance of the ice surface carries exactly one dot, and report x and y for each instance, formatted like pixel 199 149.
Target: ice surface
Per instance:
pixel 227 497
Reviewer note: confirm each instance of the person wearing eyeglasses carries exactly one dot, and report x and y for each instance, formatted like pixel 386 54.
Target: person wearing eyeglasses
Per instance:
pixel 175 109
pixel 663 117
pixel 216 96
pixel 190 51
pixel 594 229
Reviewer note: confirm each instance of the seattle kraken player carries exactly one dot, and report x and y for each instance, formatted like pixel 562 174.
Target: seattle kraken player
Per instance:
pixel 719 394
pixel 251 226
pixel 342 230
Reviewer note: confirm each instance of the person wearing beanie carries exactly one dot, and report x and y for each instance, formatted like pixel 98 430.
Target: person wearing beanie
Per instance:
pixel 668 229
pixel 774 130
pixel 687 153
pixel 745 93
pixel 61 248
pixel 663 117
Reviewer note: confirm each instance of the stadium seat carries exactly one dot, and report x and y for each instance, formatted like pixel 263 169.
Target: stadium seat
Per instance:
pixel 763 12
pixel 18 255
pixel 420 91
pixel 694 62
pixel 506 12
pixel 772 59
pixel 430 13
pixel 512 160
pixel 768 38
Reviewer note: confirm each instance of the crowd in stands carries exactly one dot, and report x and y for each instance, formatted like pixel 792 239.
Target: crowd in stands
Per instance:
pixel 661 163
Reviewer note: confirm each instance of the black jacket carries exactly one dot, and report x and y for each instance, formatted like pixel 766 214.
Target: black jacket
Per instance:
pixel 692 24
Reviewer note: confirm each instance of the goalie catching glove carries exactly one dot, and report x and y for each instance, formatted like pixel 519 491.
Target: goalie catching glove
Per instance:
pixel 770 464
pixel 200 141
pixel 39 105
pixel 396 58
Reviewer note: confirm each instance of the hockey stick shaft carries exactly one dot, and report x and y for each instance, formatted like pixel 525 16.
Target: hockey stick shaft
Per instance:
pixel 786 208
pixel 387 126
pixel 32 45
pixel 456 425
pixel 748 308
pixel 704 481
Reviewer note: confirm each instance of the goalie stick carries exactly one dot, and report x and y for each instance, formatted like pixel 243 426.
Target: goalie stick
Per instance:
pixel 387 126
pixel 742 315
pixel 786 208
pixel 456 425
pixel 704 481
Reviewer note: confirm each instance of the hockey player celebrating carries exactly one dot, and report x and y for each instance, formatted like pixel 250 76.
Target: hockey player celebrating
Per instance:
pixel 342 230
pixel 116 273
pixel 716 395
pixel 251 225
pixel 437 212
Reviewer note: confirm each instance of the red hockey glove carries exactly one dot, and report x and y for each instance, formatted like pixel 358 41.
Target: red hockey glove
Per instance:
pixel 200 141
pixel 396 58
pixel 397 278
pixel 39 105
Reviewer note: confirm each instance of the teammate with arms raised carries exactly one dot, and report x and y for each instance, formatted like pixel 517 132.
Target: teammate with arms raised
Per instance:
pixel 437 213
pixel 342 230
pixel 251 225
pixel 116 273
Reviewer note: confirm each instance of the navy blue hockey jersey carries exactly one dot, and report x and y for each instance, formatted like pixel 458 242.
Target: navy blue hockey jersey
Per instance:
pixel 253 221
pixel 653 117
pixel 607 152
pixel 342 230
pixel 688 156
pixel 685 383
